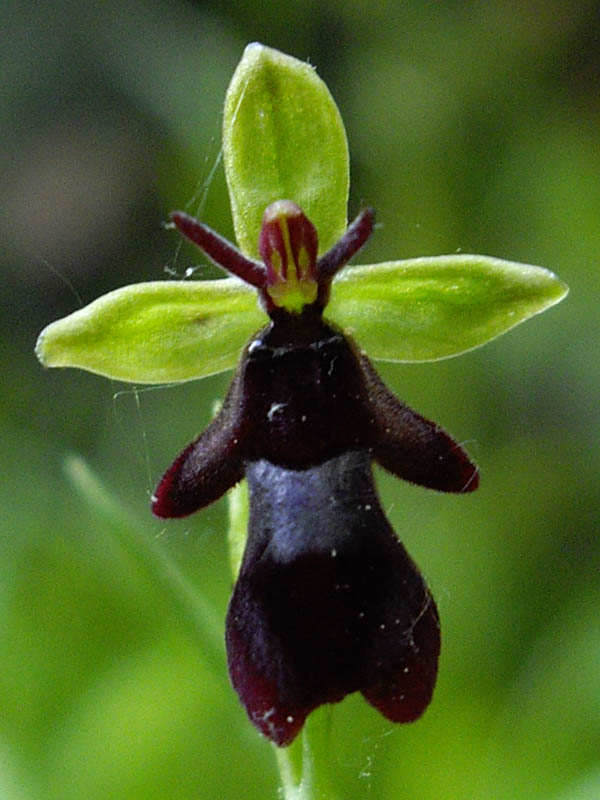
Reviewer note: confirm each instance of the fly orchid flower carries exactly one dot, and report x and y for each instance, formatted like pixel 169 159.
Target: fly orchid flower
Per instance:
pixel 327 601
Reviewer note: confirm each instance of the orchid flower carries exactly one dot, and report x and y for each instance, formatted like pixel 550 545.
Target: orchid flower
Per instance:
pixel 327 600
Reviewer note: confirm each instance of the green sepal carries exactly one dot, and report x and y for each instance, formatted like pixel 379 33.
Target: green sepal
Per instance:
pixel 425 309
pixel 283 139
pixel 157 332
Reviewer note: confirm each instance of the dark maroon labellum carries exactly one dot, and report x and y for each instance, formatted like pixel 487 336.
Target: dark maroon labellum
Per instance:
pixel 328 601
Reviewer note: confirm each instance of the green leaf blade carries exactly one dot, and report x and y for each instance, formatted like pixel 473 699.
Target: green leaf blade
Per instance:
pixel 156 332
pixel 283 139
pixel 426 309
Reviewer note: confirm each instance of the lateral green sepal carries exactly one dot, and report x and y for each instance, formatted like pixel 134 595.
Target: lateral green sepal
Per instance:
pixel 425 309
pixel 156 332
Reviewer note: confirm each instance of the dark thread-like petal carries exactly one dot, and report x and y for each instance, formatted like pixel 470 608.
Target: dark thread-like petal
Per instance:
pixel 355 237
pixel 220 250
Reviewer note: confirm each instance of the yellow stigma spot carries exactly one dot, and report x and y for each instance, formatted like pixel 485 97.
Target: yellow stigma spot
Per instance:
pixel 303 261
pixel 276 264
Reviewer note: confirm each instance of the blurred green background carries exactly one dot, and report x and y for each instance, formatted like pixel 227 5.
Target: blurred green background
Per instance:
pixel 472 126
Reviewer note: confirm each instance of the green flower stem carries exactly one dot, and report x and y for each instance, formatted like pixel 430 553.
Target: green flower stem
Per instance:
pixel 304 766
pixel 237 503
pixel 155 564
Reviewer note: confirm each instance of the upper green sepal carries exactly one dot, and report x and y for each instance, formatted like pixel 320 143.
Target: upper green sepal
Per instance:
pixel 157 332
pixel 424 309
pixel 283 137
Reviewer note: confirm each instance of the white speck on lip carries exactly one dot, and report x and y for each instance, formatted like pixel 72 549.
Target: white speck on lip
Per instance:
pixel 333 552
pixel 303 418
pixel 275 409
pixel 406 670
pixel 289 718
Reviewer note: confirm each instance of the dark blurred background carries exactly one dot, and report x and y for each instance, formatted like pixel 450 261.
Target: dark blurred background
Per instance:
pixel 473 127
